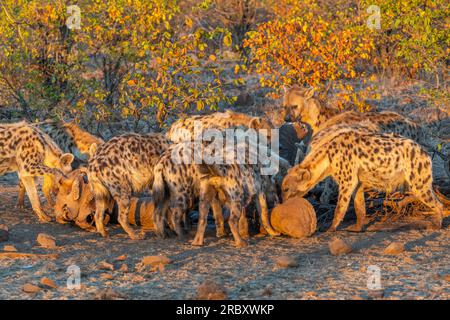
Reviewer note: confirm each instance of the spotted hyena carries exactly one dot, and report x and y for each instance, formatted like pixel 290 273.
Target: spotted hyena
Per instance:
pixel 75 200
pixel 179 183
pixel 119 167
pixel 184 129
pixel 359 160
pixel 29 151
pixel 300 105
pixel 236 186
pixel 70 138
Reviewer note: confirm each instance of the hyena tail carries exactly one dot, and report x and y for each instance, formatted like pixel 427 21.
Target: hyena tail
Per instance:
pixel 160 196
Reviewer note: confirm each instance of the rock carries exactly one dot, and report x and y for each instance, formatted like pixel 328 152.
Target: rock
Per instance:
pixel 121 258
pixel 9 248
pixel 375 294
pixel 105 266
pixel 123 268
pixel 46 282
pixel 394 248
pixel 4 233
pixel 106 276
pixel 209 290
pixel 108 294
pixel 286 262
pixel 30 288
pixel 295 217
pixel 46 241
pixel 155 261
pixel 338 246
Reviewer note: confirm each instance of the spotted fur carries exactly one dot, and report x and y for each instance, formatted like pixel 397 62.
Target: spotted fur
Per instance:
pixel 179 184
pixel 30 152
pixel 119 167
pixel 184 129
pixel 70 138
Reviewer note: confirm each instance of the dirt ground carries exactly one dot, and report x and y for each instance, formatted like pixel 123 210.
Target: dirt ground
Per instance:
pixel 422 271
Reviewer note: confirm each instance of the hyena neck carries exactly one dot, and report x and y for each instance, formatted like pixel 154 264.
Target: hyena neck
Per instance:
pixel 325 114
pixel 82 139
pixel 318 164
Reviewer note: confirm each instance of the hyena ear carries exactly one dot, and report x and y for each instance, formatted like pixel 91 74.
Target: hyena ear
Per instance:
pixel 66 159
pixel 285 89
pixel 304 174
pixel 255 123
pixel 309 93
pixel 76 189
pixel 92 150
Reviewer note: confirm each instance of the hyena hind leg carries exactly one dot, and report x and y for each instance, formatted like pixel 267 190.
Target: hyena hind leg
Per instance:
pixel 124 208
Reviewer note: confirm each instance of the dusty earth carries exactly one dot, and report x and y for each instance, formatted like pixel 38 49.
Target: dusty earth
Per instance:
pixel 422 271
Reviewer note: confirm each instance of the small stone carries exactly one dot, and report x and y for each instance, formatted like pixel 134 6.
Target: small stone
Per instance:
pixel 123 257
pixel 123 268
pixel 106 276
pixel 4 233
pixel 9 248
pixel 108 294
pixel 48 283
pixel 286 262
pixel 375 294
pixel 46 241
pixel 30 288
pixel 338 246
pixel 394 248
pixel 209 290
pixel 105 266
pixel 154 262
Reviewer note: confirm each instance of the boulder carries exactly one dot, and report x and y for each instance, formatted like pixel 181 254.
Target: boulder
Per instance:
pixel 210 290
pixel 4 233
pixel 338 246
pixel 46 241
pixel 295 218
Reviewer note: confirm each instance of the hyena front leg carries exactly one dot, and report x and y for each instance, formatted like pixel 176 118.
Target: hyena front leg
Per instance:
pixel 100 207
pixel 21 196
pixel 345 194
pixel 360 210
pixel 123 202
pixel 177 215
pixel 202 221
pixel 264 214
pixel 243 225
pixel 47 189
pixel 30 186
pixel 218 217
pixel 235 213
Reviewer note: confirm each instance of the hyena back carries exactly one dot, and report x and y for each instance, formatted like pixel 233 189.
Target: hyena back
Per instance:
pixel 184 129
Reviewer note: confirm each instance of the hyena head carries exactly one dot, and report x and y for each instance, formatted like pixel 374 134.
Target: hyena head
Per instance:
pixel 296 183
pixel 299 105
pixel 74 198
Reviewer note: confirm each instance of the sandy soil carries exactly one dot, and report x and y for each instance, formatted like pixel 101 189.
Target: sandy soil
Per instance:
pixel 422 271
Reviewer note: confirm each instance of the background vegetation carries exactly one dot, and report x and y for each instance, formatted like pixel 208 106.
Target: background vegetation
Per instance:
pixel 147 61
